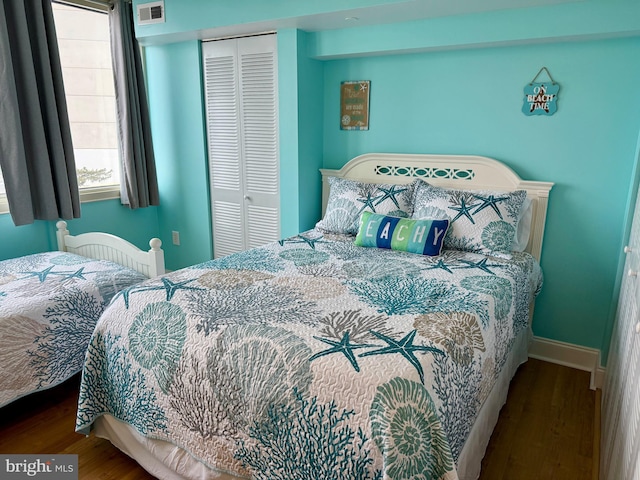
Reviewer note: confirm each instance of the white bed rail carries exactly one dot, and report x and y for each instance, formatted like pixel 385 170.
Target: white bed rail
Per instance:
pixel 105 246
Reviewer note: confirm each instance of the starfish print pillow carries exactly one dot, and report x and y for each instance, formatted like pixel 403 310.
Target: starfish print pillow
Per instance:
pixel 349 198
pixel 480 221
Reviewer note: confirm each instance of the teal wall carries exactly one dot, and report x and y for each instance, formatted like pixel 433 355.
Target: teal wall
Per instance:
pixel 24 240
pixel 301 113
pixel 288 118
pixel 311 128
pixel 178 128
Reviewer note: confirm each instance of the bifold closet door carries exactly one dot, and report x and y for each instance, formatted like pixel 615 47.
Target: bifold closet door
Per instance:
pixel 240 77
pixel 621 391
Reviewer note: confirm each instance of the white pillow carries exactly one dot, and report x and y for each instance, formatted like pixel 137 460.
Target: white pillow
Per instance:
pixel 483 221
pixel 524 227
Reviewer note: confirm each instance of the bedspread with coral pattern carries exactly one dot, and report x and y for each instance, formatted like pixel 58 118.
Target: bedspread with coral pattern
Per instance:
pixel 49 305
pixel 311 358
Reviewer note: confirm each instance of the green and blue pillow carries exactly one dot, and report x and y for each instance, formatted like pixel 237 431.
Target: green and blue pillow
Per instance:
pixel 424 237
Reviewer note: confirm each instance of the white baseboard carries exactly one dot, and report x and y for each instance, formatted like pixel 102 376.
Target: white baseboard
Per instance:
pixel 569 355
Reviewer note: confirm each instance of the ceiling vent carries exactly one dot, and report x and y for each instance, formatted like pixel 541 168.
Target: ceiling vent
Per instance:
pixel 149 13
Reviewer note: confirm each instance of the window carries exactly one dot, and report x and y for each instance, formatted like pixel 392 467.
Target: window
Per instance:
pixel 85 55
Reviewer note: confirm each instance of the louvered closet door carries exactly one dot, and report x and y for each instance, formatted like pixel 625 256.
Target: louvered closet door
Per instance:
pixel 631 413
pixel 242 130
pixel 621 392
pixel 618 367
pixel 260 147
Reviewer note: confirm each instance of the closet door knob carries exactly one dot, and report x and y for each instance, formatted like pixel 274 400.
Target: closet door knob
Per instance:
pixel 247 198
pixel 628 249
pixel 632 273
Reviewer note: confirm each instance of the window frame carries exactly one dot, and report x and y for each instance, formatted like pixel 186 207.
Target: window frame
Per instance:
pixel 97 5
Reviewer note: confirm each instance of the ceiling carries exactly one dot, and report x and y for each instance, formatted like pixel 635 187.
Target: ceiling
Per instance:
pixel 407 11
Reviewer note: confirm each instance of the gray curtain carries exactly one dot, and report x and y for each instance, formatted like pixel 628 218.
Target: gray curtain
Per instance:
pixel 36 153
pixel 140 184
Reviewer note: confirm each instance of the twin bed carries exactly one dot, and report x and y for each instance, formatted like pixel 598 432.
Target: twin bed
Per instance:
pixel 341 352
pixel 50 303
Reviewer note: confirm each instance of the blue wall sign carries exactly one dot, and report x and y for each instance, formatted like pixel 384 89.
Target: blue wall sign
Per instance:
pixel 540 98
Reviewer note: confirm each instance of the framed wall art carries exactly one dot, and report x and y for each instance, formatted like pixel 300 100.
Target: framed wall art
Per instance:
pixel 354 105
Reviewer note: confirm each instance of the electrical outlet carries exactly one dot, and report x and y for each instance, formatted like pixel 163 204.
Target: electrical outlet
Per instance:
pixel 175 236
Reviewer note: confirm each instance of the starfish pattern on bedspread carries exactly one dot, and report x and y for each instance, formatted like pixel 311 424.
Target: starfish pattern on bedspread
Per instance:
pixel 368 201
pixel 391 193
pixel 77 274
pixel 404 347
pixel 170 287
pixel 463 209
pixel 490 201
pixel 43 274
pixel 302 239
pixel 125 295
pixel 482 265
pixel 440 265
pixel 343 346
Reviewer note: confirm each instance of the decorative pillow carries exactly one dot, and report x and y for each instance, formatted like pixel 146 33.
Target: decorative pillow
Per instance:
pixel 481 221
pixel 349 198
pixel 416 236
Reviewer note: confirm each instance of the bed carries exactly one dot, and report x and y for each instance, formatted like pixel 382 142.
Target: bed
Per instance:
pixel 354 350
pixel 51 301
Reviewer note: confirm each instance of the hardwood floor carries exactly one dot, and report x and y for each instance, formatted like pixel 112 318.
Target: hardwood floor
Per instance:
pixel 545 431
pixel 44 423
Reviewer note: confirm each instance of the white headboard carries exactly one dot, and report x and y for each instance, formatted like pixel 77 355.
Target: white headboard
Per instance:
pixel 104 246
pixel 453 171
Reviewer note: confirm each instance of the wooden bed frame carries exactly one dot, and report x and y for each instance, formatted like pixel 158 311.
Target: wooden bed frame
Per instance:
pixel 465 172
pixel 104 246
